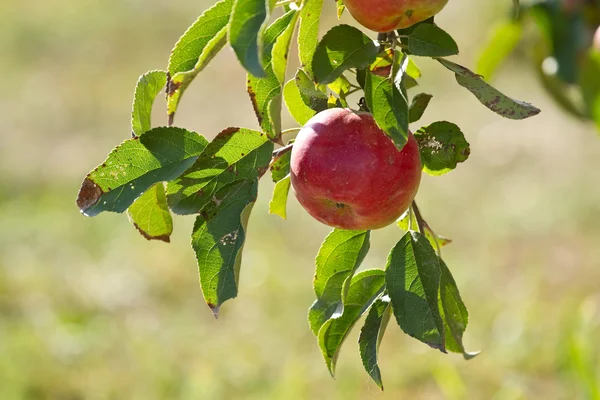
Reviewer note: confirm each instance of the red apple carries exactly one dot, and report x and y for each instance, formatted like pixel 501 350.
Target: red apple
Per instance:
pixel 348 174
pixel 388 15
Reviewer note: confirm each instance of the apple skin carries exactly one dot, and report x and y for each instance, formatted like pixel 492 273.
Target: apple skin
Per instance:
pixel 348 174
pixel 388 15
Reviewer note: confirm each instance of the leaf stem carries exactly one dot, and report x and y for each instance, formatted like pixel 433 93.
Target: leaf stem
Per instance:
pixel 291 130
pixel 420 221
pixel 284 2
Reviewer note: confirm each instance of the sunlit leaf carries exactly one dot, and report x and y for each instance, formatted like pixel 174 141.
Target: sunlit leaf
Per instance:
pixel 278 203
pixel 218 238
pixel 308 33
pixel 161 154
pixel 340 255
pixel 363 290
pixel 413 284
pixel 503 40
pixel 150 214
pixel 236 153
pixel 147 88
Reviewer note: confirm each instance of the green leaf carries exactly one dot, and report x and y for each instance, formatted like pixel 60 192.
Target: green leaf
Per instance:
pixel 265 92
pixel 364 288
pixel 248 22
pixel 590 85
pixel 340 8
pixel 340 255
pixel 503 40
pixel 147 88
pixel 236 153
pixel 428 40
pixel 442 146
pixel 488 95
pixel 295 104
pixel 412 69
pixel 308 33
pixel 312 97
pixel 161 154
pixel 418 106
pixel 371 335
pixel 281 48
pixel 434 239
pixel 218 238
pixel 278 204
pixel 413 283
pixel 195 49
pixel 280 168
pixel 389 107
pixel 150 214
pixel 341 48
pixel 454 313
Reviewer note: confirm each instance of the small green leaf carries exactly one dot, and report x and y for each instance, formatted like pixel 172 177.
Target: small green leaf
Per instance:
pixel 248 22
pixel 340 255
pixel 488 95
pixel 308 33
pixel 312 97
pixel 428 40
pixel 501 44
pixel 195 49
pixel 454 313
pixel 265 92
pixel 278 204
pixel 364 288
pixel 218 238
pixel 434 239
pixel 371 335
pixel 442 146
pixel 341 48
pixel 341 86
pixel 590 85
pixel 147 88
pixel 236 153
pixel 413 283
pixel 412 69
pixel 150 214
pixel 418 106
pixel 389 107
pixel 161 154
pixel 280 168
pixel 340 8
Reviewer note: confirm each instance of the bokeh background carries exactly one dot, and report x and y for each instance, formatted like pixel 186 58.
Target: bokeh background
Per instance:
pixel 91 310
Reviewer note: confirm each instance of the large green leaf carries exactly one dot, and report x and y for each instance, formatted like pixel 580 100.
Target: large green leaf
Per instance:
pixel 389 106
pixel 278 204
pixel 265 92
pixel 150 214
pixel 308 32
pixel 413 283
pixel 488 95
pixel 341 48
pixel 442 146
pixel 429 40
pixel 195 49
pixel 363 290
pixel 147 88
pixel 371 334
pixel 248 22
pixel 236 153
pixel 454 313
pixel 340 255
pixel 218 238
pixel 295 103
pixel 161 154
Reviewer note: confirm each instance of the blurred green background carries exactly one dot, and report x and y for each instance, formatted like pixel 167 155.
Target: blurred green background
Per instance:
pixel 91 310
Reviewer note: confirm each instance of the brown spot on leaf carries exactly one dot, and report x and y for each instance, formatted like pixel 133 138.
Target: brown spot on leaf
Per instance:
pixel 227 132
pixel 255 104
pixel 214 308
pixel 89 194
